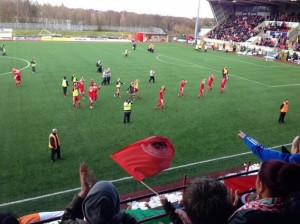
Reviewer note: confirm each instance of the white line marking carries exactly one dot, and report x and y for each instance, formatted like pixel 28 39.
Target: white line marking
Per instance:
pixel 285 85
pixel 259 83
pixel 130 177
pixel 200 66
pixel 20 59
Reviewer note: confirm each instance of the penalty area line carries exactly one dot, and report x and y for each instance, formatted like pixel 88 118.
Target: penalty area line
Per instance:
pixel 130 177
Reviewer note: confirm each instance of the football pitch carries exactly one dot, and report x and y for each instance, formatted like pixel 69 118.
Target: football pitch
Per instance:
pixel 200 129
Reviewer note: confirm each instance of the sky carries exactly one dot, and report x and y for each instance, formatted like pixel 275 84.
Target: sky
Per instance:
pixel 177 8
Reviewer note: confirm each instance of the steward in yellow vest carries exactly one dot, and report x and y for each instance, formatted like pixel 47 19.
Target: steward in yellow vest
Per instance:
pixel 54 145
pixel 65 85
pixel 284 107
pixel 127 111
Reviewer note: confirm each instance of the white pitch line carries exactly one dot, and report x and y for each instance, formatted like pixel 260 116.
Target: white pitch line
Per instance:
pixel 28 64
pixel 285 85
pixel 251 80
pixel 130 177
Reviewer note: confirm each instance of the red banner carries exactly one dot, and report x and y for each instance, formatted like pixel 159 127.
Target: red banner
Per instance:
pixel 146 157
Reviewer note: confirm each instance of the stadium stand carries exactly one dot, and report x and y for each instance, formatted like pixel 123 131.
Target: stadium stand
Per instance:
pixel 260 28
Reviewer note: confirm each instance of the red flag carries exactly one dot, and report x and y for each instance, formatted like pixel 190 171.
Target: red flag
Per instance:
pixel 241 183
pixel 146 157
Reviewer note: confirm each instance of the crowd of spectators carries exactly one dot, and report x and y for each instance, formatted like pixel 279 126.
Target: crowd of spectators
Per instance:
pixel 236 28
pixel 205 200
pixel 275 33
pixel 285 16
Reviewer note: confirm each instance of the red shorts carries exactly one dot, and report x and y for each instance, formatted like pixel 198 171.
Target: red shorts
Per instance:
pixel 161 102
pixel 201 93
pixel 76 98
pixel 136 90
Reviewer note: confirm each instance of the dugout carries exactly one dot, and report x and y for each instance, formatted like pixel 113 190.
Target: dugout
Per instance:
pixel 6 34
pixel 151 37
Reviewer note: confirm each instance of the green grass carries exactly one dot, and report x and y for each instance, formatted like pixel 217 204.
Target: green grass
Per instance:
pixel 199 129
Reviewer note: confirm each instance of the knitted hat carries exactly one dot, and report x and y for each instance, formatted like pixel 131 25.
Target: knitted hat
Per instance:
pixel 101 204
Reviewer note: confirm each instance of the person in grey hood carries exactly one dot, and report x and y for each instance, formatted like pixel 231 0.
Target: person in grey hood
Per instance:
pixel 96 203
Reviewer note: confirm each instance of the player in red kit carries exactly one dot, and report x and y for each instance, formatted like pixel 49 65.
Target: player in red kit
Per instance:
pixel 161 98
pixel 76 94
pixel 96 89
pixel 201 88
pixel 210 83
pixel 223 83
pixel 81 87
pixel 17 76
pixel 91 94
pixel 181 89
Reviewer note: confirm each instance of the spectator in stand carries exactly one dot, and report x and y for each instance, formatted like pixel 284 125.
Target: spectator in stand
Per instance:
pixel 236 28
pixel 96 203
pixel 295 56
pixel 276 181
pixel 8 218
pixel 207 201
pixel 266 154
pixel 176 215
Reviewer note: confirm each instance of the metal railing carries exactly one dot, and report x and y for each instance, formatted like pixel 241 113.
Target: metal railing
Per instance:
pixel 160 193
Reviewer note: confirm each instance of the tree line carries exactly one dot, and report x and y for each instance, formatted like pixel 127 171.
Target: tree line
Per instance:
pixel 25 11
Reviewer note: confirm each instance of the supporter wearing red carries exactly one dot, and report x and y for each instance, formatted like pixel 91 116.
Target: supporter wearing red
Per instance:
pixel 76 98
pixel 161 98
pixel 201 88
pixel 275 183
pixel 210 83
pixel 181 87
pixel 17 77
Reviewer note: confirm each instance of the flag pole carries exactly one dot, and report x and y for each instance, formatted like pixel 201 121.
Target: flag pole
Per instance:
pixel 196 25
pixel 150 188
